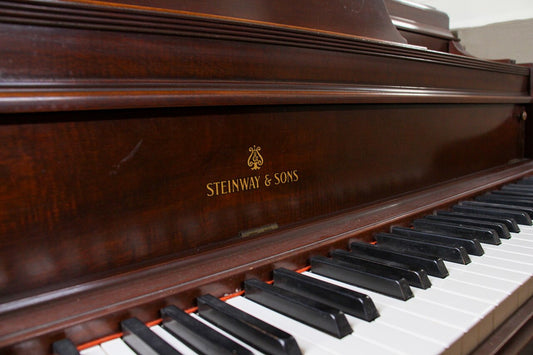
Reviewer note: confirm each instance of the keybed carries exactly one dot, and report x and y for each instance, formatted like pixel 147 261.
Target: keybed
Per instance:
pixel 451 313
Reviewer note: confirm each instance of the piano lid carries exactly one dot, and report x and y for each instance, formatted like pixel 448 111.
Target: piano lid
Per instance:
pixel 353 17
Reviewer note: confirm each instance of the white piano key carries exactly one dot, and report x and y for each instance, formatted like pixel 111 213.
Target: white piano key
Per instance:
pixel 462 274
pixel 384 300
pixel 503 303
pixel 525 233
pixel 509 265
pixel 478 292
pixel 481 313
pixel 526 229
pixel 524 281
pixel 94 350
pixel 172 340
pixel 425 318
pixel 519 260
pixel 480 310
pixel 321 343
pixel 515 247
pixel 508 248
pixel 491 270
pixel 117 347
pixel 520 240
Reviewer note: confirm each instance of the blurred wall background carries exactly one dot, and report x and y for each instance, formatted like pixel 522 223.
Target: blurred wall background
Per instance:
pixel 491 29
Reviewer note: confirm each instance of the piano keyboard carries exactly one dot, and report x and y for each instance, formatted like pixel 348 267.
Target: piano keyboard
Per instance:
pixel 469 294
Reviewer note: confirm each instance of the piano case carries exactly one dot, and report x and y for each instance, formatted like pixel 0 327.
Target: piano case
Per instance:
pixel 155 151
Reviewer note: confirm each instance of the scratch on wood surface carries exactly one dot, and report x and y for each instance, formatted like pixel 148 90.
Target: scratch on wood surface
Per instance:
pixel 128 157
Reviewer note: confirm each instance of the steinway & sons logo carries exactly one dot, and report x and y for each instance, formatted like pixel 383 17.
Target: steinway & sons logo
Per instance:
pixel 255 162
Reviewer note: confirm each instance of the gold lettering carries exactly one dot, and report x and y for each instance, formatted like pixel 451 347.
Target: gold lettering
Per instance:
pixel 284 178
pixel 276 177
pixel 244 184
pixel 255 181
pixel 234 186
pixel 290 176
pixel 211 192
pixel 224 187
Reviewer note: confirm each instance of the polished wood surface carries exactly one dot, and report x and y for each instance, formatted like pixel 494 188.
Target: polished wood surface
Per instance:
pixel 82 189
pixel 352 17
pixel 128 127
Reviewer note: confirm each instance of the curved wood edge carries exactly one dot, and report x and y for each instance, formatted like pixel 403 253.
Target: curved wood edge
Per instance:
pixel 412 26
pixel 418 13
pixel 368 19
pixel 94 309
pixel 232 94
pixel 455 47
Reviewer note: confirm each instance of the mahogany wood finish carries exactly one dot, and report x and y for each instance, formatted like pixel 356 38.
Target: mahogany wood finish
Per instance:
pixel 128 129
pixel 421 25
pixel 354 17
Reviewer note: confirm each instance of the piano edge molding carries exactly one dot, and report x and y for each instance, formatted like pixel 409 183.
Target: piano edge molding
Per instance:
pixel 204 26
pixel 89 16
pixel 30 93
pixel 339 18
pixel 101 302
pixel 233 94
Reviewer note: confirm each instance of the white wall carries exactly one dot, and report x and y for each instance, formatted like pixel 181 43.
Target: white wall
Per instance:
pixel 491 29
pixel 511 39
pixel 474 13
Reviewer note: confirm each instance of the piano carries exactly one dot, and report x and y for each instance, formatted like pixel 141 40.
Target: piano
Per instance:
pixel 167 156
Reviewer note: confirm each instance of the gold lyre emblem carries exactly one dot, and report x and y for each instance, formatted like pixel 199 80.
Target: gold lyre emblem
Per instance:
pixel 255 160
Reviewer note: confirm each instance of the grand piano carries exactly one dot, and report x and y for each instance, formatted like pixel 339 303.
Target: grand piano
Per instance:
pixel 165 155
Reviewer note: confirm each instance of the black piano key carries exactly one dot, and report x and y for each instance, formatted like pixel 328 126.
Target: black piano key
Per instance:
pixel 197 335
pixel 500 228
pixel 434 266
pixel 517 187
pixel 505 200
pixel 350 302
pixel 472 246
pixel 64 347
pixel 417 278
pixel 527 210
pixel 528 180
pixel 526 194
pixel 510 223
pixel 342 271
pixel 142 340
pixel 519 216
pixel 513 194
pixel 246 327
pixel 315 314
pixel 419 247
pixel 484 235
